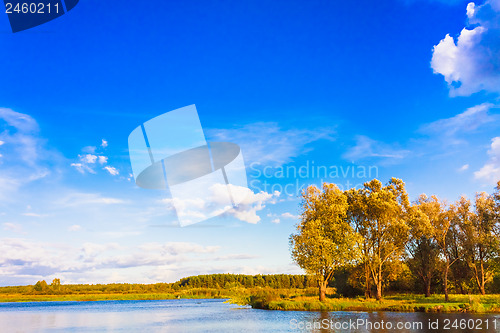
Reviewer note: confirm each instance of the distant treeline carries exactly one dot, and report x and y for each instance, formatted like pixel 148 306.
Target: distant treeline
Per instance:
pixel 209 281
pixel 276 281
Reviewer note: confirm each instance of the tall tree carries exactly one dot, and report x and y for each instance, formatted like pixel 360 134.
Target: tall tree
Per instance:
pixel 479 240
pixel 357 216
pixel 381 219
pixel 422 246
pixel 442 229
pixel 324 241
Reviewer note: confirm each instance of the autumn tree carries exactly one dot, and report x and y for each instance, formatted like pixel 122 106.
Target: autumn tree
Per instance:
pixel 324 241
pixel 379 215
pixel 481 246
pixel 422 246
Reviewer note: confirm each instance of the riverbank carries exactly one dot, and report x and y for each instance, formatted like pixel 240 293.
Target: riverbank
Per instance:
pixel 291 299
pixel 396 303
pixel 99 297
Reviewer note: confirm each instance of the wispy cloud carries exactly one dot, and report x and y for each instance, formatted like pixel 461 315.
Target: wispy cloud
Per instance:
pixel 24 149
pixel 451 130
pixel 269 144
pixel 369 148
pixel 17 228
pixel 81 199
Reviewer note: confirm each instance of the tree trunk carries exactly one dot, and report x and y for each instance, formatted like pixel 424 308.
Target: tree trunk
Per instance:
pixel 322 291
pixel 368 286
pixel 379 284
pixel 428 287
pixel 379 291
pixel 481 288
pixel 445 282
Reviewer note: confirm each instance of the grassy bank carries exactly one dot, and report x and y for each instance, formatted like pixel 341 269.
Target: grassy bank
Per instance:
pixel 400 303
pixel 8 295
pixel 299 299
pixel 195 293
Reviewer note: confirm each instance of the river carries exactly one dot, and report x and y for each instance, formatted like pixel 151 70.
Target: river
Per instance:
pixel 211 315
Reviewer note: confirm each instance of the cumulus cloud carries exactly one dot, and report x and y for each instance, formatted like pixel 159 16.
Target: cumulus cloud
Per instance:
pixel 217 203
pixel 471 62
pixel 490 172
pixel 112 170
pixel 88 162
pixel 247 209
pixel 368 148
pixel 103 159
pixel 268 143
pixel 463 168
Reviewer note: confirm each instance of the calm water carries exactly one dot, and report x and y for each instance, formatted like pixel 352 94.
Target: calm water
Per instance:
pixel 217 316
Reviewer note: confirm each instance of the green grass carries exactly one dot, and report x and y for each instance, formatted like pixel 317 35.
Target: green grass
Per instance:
pixel 195 293
pixel 400 303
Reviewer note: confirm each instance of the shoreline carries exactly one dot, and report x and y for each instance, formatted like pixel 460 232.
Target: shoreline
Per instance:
pixel 395 303
pixel 488 304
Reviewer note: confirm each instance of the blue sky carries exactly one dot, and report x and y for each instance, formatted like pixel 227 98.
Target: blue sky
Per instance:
pixel 406 88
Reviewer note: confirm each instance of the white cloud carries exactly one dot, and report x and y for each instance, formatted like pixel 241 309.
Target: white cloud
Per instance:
pixel 30 214
pixel 75 227
pixel 88 162
pixel 490 172
pixel 103 159
pixel 368 148
pixel 247 210
pixel 13 227
pixel 82 168
pixel 290 216
pixel 20 121
pixel 269 144
pixel 32 260
pixel 112 170
pixel 472 62
pixel 463 168
pixel 88 158
pixel 276 220
pixel 249 203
